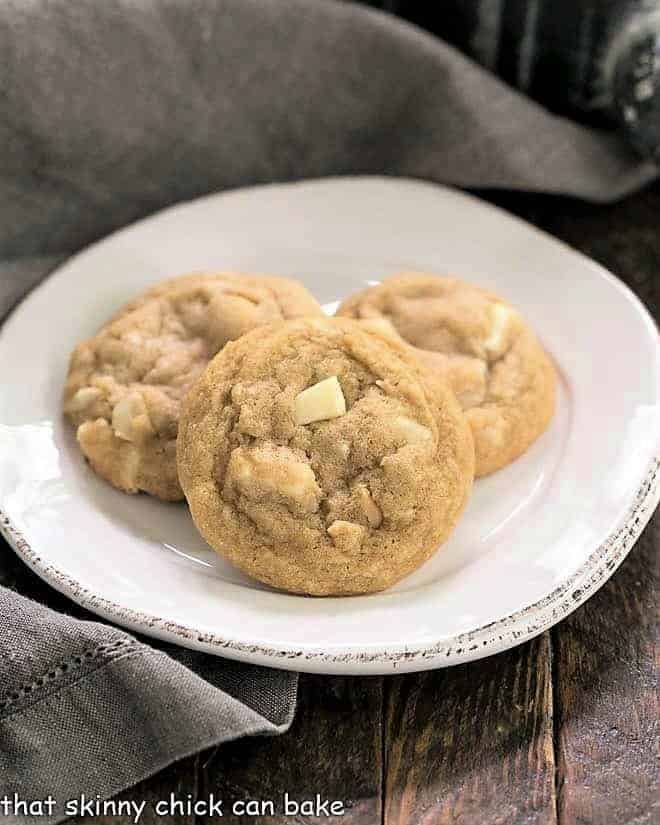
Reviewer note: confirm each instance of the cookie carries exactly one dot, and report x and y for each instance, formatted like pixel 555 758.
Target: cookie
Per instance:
pixel 322 459
pixel 125 385
pixel 499 371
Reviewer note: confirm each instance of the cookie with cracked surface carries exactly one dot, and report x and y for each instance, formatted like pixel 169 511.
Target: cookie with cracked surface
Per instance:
pixel 323 459
pixel 502 377
pixel 125 384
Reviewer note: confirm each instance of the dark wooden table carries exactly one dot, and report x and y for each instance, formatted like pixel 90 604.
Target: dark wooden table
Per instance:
pixel 561 729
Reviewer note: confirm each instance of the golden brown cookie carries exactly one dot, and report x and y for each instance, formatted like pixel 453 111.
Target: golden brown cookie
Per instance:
pixel 499 371
pixel 321 459
pixel 125 385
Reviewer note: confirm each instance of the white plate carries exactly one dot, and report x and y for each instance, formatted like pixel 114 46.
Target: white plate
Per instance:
pixel 536 539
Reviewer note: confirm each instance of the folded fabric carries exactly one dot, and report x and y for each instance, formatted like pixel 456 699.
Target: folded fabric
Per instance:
pixel 112 110
pixel 86 708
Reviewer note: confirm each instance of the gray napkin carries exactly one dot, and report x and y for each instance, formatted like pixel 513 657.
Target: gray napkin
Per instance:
pixel 111 110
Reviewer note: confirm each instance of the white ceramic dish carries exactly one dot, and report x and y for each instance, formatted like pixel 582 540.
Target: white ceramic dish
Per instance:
pixel 537 538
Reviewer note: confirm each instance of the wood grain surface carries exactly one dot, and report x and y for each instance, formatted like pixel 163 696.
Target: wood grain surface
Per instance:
pixel 181 779
pixel 606 698
pixel 334 748
pixel 562 729
pixel 473 743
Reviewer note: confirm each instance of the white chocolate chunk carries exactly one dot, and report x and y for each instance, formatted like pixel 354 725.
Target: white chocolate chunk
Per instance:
pixel 129 468
pixel 125 415
pixel 274 471
pixel 369 507
pixel 83 431
pixel 320 402
pixel 469 381
pixel 346 535
pixel 83 398
pixel 410 431
pixel 502 316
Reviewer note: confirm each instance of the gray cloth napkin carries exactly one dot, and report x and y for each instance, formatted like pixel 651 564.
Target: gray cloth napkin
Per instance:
pixel 111 110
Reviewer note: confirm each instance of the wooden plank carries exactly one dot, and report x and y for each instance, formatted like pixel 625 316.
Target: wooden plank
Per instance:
pixel 333 749
pixel 473 744
pixel 607 697
pixel 180 779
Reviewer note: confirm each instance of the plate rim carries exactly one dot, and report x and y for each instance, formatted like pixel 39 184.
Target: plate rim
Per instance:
pixel 493 637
